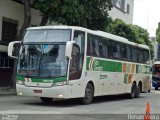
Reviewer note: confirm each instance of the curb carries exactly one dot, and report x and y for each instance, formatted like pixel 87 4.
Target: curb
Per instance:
pixel 8 94
pixel 7 91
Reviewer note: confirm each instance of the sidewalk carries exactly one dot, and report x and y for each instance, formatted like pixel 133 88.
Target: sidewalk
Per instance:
pixel 7 91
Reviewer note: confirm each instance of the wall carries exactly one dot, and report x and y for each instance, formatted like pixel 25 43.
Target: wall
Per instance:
pixel 117 13
pixel 15 11
pixel 12 10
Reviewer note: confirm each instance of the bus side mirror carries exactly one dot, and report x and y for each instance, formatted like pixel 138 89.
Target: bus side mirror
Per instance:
pixel 13 49
pixel 68 52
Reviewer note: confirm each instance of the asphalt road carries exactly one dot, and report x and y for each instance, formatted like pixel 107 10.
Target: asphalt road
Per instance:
pixel 117 106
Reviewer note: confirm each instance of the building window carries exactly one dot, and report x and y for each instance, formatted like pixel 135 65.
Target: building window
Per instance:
pixel 128 8
pixel 5 61
pixel 9 30
pixel 119 4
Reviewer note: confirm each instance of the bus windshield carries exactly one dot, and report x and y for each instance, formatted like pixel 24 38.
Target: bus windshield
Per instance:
pixel 42 54
pixel 45 61
pixel 47 35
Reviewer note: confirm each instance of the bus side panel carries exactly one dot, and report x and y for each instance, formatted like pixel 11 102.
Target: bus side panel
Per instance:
pixel 77 88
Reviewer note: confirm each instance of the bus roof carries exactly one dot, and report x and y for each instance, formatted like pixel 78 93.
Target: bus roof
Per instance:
pixel 95 32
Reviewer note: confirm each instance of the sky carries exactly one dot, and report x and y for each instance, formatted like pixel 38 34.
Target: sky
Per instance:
pixel 147 14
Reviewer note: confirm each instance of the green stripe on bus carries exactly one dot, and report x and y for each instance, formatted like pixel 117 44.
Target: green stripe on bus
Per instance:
pixel 18 77
pixel 43 80
pixel 142 69
pixel 104 65
pixel 94 64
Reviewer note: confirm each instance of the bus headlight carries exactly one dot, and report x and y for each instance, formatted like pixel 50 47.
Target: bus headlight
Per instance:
pixel 60 83
pixel 20 82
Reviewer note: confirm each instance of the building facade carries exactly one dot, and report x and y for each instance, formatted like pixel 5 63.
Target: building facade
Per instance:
pixel 156 48
pixel 122 9
pixel 11 20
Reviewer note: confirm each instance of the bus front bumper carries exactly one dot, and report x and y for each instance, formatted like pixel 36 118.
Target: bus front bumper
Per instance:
pixel 61 92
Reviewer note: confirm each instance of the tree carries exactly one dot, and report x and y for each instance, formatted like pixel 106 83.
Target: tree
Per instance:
pixel 91 14
pixel 27 17
pixel 133 33
pixel 120 28
pixel 158 33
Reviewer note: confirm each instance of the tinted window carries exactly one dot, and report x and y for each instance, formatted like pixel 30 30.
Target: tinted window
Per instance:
pixel 129 53
pixel 76 63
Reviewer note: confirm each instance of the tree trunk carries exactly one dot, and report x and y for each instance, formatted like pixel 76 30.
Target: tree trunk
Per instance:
pixel 27 18
pixel 26 24
pixel 44 20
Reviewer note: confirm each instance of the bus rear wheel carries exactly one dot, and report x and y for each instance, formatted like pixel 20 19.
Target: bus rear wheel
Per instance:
pixel 138 90
pixel 133 91
pixel 46 100
pixel 89 93
pixel 149 89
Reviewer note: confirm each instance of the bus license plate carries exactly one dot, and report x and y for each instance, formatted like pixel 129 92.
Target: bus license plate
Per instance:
pixel 38 91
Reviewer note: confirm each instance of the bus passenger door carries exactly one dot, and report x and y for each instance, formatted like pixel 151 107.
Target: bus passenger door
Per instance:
pixel 76 64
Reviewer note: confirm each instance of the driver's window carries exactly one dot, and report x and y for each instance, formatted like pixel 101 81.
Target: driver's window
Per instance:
pixel 76 63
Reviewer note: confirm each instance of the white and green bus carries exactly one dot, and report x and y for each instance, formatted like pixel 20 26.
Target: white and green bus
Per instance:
pixel 74 62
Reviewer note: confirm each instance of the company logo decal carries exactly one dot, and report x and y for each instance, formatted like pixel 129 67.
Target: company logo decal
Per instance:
pixel 94 65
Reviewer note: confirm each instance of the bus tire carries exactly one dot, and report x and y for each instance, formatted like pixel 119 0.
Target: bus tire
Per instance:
pixel 89 93
pixel 149 89
pixel 133 91
pixel 46 100
pixel 156 88
pixel 138 90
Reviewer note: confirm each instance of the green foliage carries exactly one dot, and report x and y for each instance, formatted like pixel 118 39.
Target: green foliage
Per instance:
pixel 158 37
pixel 158 33
pixel 118 27
pixel 133 33
pixel 91 14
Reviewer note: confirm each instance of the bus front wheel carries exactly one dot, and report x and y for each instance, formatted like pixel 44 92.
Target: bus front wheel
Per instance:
pixel 89 93
pixel 46 100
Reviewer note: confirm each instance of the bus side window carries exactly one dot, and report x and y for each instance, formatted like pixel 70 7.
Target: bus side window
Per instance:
pixel 95 47
pixel 146 56
pixel 116 50
pixel 110 49
pixel 129 53
pixel 115 53
pixel 89 49
pixel 134 54
pixel 92 47
pixel 105 49
pixel 100 46
pixel 141 56
pixel 124 52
